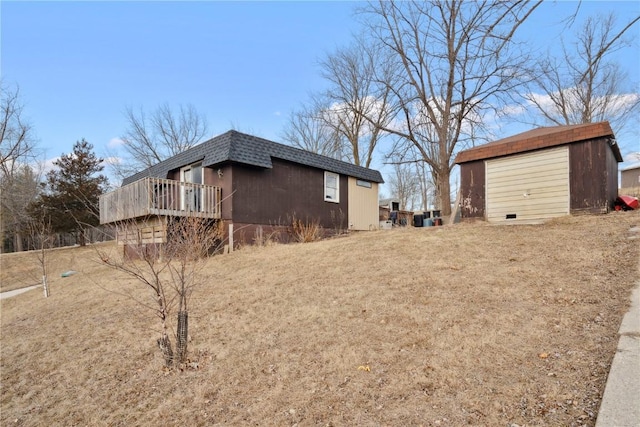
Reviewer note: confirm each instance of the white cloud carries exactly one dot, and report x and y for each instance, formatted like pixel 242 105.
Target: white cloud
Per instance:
pixel 610 104
pixel 115 142
pixel 512 110
pixel 632 157
pixel 46 165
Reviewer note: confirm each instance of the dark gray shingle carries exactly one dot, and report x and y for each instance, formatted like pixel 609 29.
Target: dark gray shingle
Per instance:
pixel 237 147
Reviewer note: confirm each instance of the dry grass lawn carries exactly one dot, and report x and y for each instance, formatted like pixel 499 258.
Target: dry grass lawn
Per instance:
pixel 469 324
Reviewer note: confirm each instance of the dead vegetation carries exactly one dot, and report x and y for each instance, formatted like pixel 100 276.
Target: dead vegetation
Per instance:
pixel 305 231
pixel 467 324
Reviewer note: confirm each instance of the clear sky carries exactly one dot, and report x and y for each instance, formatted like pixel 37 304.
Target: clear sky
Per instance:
pixel 244 65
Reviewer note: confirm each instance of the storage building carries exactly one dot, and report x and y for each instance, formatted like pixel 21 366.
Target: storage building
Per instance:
pixel 539 174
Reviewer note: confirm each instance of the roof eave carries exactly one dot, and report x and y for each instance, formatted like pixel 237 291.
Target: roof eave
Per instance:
pixel 513 145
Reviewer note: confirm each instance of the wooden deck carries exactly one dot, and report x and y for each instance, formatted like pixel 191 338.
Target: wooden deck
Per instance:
pixel 161 197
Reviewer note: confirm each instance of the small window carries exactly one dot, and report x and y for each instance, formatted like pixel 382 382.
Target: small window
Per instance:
pixel 331 187
pixel 362 183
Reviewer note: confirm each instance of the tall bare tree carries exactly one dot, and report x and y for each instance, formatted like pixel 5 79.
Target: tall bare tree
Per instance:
pixel 404 185
pixel 583 84
pixel 150 139
pixel 457 61
pixel 16 134
pixel 18 184
pixel 410 180
pixel 306 129
pixel 18 190
pixel 357 108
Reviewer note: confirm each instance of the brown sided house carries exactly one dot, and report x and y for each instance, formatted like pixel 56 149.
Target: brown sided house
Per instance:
pixel 249 183
pixel 543 173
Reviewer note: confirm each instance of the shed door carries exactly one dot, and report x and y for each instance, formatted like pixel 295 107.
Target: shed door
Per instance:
pixel 530 186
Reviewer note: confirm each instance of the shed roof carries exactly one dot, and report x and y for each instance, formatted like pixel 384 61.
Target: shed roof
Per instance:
pixel 238 147
pixel 630 168
pixel 543 137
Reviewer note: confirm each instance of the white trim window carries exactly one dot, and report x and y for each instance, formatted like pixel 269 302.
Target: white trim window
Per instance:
pixel 331 187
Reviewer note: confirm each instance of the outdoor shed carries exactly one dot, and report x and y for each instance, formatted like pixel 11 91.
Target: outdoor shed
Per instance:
pixel 630 178
pixel 539 174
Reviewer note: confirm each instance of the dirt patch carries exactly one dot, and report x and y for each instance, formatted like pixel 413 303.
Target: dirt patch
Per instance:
pixel 466 324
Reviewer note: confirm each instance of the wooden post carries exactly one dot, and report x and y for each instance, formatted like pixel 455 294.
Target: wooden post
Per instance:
pixel 230 237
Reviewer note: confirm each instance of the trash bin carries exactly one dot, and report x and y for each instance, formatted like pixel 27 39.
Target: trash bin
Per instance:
pixel 418 220
pixel 436 214
pixel 427 214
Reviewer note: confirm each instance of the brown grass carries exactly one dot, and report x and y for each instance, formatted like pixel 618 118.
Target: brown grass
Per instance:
pixel 466 324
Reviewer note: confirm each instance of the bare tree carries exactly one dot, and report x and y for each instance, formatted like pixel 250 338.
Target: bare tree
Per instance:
pixel 357 107
pixel 42 240
pixel 306 129
pixel 16 134
pixel 18 190
pixel 456 63
pixel 583 85
pixel 18 183
pixel 404 185
pixel 150 139
pixel 171 271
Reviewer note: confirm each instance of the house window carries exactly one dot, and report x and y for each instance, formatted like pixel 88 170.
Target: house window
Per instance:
pixel 361 183
pixel 331 187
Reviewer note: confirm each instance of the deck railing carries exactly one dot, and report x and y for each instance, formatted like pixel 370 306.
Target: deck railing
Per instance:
pixel 163 197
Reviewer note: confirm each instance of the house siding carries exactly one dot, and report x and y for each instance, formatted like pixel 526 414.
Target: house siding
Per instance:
pixel 224 180
pixel 630 178
pixel 273 196
pixel 472 190
pixel 363 207
pixel 594 183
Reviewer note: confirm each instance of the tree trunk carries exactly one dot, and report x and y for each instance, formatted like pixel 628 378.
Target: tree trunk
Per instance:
pixel 443 191
pixel 45 286
pixel 164 342
pixel 18 242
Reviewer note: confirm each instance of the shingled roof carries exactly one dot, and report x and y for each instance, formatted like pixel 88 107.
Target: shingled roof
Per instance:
pixel 237 147
pixel 543 137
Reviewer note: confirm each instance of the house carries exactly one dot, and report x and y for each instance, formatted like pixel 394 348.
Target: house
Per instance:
pixel 539 174
pixel 251 184
pixel 630 179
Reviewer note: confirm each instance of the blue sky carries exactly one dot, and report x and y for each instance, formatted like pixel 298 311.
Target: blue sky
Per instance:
pixel 244 65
